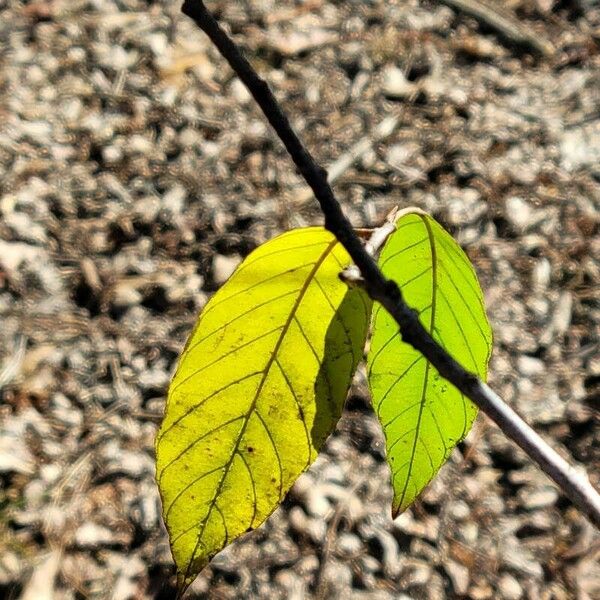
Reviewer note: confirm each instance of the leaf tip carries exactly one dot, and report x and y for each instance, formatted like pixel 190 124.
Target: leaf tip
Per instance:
pixel 186 578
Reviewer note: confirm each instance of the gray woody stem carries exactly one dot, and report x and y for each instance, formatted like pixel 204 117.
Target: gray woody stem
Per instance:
pixel 574 485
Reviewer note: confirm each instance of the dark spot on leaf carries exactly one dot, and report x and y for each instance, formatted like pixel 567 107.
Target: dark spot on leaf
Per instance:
pixel 249 529
pixel 250 449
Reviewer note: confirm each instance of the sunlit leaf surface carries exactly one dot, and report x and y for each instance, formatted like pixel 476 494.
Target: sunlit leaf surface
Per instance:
pixel 424 416
pixel 260 385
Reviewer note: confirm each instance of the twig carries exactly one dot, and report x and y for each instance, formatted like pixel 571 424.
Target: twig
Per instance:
pixel 330 537
pixel 507 26
pixel 573 483
pixel 12 366
pixel 346 160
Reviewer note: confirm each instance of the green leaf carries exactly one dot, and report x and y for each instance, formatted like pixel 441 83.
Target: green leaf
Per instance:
pixel 260 385
pixel 423 416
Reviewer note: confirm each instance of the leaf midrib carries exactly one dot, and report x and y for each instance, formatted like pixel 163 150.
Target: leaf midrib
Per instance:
pixel 426 376
pixel 246 418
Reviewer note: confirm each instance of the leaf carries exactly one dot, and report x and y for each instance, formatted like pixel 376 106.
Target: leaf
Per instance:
pixel 260 385
pixel 423 416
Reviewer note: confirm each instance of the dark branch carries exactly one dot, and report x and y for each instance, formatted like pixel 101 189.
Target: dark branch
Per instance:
pixel 386 292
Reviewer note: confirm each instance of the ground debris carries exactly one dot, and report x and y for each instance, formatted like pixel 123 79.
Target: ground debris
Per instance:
pixel 135 174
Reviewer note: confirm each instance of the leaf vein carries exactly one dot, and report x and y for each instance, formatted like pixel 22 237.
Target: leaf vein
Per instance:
pixel 162 434
pixel 275 449
pixel 434 287
pixel 468 307
pixel 380 350
pixel 439 429
pixel 252 484
pixel 236 318
pixel 399 439
pixel 310 345
pixel 221 301
pixel 225 529
pixel 428 453
pixel 244 266
pixel 196 441
pixel 398 415
pixel 300 410
pixel 397 380
pixel 179 494
pixel 232 351
pixel 405 249
pixel 462 332
pixel 469 275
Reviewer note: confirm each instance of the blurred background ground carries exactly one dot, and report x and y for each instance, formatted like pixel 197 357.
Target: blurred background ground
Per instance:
pixel 135 172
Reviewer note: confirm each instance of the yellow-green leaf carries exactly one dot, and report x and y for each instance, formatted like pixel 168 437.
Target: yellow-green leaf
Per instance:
pixel 259 386
pixel 423 416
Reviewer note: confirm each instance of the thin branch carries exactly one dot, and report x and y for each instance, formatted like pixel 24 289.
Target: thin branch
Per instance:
pixel 384 129
pixel 504 24
pixel 12 365
pixel 574 484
